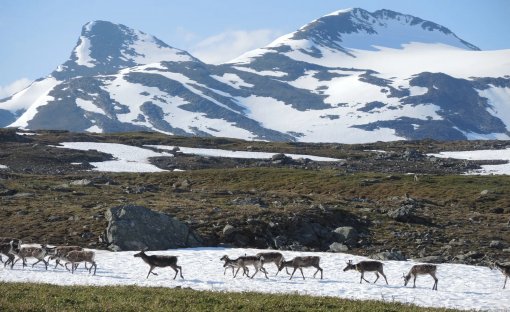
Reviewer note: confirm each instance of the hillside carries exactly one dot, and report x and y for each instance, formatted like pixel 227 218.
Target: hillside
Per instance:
pixel 271 203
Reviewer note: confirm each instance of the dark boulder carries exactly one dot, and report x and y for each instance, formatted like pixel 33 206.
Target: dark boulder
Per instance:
pixel 134 228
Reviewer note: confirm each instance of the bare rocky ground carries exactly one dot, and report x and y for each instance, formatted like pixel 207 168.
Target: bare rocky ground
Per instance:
pixel 368 203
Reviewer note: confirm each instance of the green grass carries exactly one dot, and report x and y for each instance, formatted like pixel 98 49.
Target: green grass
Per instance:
pixel 43 297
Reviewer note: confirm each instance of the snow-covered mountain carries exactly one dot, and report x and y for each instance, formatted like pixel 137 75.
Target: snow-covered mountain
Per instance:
pixel 350 76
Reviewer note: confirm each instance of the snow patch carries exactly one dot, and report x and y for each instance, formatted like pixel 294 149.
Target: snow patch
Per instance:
pixel 82 53
pixel 464 287
pixel 127 158
pixel 503 154
pixel 212 152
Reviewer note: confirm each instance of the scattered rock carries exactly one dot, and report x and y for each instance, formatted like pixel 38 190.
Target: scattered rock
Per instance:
pixel 338 247
pixel 346 234
pixel 431 259
pixel 405 213
pixel 389 255
pixel 82 182
pixel 228 230
pixel 497 244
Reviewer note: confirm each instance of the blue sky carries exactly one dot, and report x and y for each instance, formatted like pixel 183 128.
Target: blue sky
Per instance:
pixel 36 36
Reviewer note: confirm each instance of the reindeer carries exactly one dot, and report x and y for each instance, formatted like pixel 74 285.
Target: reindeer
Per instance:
pixel 27 252
pixel 256 261
pixel 4 242
pixel 75 257
pixel 160 261
pixel 421 269
pixel 274 257
pixel 58 252
pixel 505 269
pixel 367 266
pixel 300 263
pixel 5 248
pixel 233 263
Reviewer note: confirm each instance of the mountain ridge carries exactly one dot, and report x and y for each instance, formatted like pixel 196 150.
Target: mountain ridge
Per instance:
pixel 351 77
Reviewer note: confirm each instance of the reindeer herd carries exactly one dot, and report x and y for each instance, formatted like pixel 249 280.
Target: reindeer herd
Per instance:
pixel 74 255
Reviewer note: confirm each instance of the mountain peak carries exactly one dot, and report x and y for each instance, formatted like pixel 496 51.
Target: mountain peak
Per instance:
pixel 357 28
pixel 105 47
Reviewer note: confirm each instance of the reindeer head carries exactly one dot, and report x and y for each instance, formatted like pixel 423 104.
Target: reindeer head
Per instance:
pixel 406 278
pixel 350 266
pixel 141 253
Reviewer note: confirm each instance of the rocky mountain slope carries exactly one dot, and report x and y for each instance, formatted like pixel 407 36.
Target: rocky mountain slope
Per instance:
pixel 351 76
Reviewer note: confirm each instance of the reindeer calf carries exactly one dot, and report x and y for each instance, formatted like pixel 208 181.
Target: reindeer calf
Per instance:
pixel 76 257
pixel 160 261
pixel 300 263
pixel 367 266
pixel 59 252
pixel 233 264
pixel 30 252
pixel 421 269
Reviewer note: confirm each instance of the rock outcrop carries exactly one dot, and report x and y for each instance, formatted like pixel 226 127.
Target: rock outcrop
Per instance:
pixel 133 227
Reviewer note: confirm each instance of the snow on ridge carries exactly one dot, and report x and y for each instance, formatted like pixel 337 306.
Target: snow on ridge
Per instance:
pixel 82 53
pixel 232 80
pixel 460 286
pixel 38 95
pixel 3 167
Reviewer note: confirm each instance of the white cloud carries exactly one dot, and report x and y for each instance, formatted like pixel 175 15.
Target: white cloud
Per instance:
pixel 13 87
pixel 231 44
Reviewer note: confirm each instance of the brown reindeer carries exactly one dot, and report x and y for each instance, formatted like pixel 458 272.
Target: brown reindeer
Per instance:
pixel 161 261
pixel 505 269
pixel 75 257
pixel 300 263
pixel 274 257
pixel 60 251
pixel 367 266
pixel 30 252
pixel 233 264
pixel 421 269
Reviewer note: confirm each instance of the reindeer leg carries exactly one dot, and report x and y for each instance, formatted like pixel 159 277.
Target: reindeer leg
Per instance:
pixel 176 272
pixel 292 273
pixel 384 277
pixel 180 270
pixel 150 271
pixel 256 271
pixel 363 277
pixel 92 265
pixel 57 262
pixel 377 277
pixel 301 269
pixel 36 262
pixel 237 271
pixel 265 272
pixel 414 281
pixel 504 285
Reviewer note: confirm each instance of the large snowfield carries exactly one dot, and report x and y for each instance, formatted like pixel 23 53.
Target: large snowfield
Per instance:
pixel 460 286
